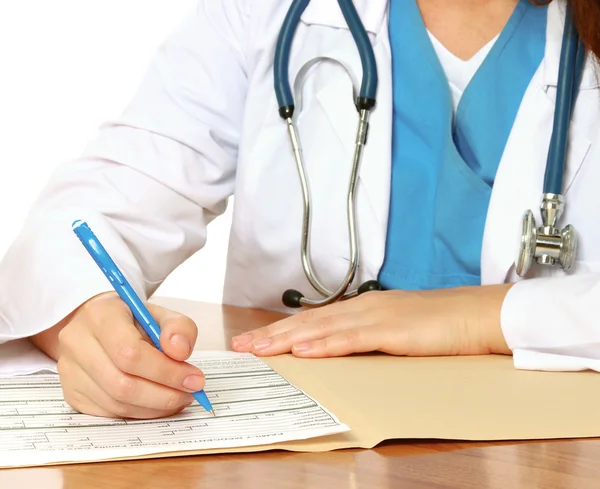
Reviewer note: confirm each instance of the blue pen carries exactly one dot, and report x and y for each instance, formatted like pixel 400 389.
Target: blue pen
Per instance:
pixel 126 292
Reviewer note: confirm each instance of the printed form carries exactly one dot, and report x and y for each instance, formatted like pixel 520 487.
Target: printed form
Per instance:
pixel 254 405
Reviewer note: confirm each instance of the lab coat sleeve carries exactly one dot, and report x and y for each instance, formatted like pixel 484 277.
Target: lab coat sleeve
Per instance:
pixel 148 184
pixel 552 324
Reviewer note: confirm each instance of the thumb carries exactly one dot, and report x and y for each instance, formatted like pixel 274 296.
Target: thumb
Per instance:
pixel 178 332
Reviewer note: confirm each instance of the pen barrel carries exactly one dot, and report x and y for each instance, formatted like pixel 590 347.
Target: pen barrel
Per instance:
pixel 123 288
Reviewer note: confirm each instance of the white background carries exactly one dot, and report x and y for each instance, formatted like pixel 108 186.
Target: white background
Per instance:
pixel 65 67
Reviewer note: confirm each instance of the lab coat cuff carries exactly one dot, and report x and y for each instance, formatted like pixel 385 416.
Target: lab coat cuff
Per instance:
pixel 545 326
pixel 47 273
pixel 516 317
pixel 551 362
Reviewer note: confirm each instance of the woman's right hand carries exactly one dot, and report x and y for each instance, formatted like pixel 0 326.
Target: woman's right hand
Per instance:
pixel 109 367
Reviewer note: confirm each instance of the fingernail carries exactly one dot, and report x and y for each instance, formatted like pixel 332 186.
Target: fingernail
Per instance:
pixel 262 344
pixel 193 382
pixel 181 342
pixel 242 339
pixel 301 347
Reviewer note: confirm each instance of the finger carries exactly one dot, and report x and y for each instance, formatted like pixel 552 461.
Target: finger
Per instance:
pixel 243 342
pixel 85 396
pixel 91 357
pixel 127 389
pixel 84 405
pixel 178 332
pixel 132 355
pixel 355 340
pixel 104 307
pixel 318 328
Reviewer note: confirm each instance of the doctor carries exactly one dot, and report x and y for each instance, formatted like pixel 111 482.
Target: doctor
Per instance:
pixel 456 153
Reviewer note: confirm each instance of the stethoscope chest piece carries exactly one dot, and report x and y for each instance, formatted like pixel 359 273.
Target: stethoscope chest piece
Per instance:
pixel 528 242
pixel 547 245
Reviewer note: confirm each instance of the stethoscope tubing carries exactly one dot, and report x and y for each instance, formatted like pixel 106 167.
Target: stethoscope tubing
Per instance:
pixel 572 61
pixel 283 90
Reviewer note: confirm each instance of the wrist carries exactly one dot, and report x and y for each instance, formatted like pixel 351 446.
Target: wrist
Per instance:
pixel 48 340
pixel 487 321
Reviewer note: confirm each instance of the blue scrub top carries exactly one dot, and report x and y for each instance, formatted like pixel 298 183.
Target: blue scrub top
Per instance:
pixel 443 167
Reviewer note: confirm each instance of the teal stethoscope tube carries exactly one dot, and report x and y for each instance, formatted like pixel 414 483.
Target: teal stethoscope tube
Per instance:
pixel 368 89
pixel 572 60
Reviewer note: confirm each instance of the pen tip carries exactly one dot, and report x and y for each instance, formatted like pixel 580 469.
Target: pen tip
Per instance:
pixel 213 413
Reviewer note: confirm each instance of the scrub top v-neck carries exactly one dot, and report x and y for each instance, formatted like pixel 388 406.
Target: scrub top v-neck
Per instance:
pixel 445 154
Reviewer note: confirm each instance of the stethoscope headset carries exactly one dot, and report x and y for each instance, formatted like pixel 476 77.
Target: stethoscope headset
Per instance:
pixel 547 244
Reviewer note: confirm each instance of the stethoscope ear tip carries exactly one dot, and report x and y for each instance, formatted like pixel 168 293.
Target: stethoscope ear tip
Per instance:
pixel 292 298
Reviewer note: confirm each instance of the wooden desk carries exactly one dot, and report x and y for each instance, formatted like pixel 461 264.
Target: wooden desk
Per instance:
pixel 394 465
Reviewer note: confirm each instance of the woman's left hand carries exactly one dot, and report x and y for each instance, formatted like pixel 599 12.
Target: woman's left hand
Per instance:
pixel 460 321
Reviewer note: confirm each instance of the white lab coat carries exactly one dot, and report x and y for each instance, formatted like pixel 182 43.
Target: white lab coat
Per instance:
pixel 204 126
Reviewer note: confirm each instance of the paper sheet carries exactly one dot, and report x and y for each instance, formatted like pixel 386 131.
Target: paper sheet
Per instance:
pixel 253 405
pixel 381 397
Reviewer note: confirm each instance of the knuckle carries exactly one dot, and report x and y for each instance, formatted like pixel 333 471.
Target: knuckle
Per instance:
pixel 283 338
pixel 121 409
pixel 76 400
pixel 258 333
pixel 325 344
pixel 353 337
pixel 63 368
pixel 63 335
pixel 122 388
pixel 128 356
pixel 348 341
pixel 324 324
pixel 102 309
pixel 307 316
pixel 67 372
pixel 266 331
pixel 173 400
pixel 66 339
pixel 73 399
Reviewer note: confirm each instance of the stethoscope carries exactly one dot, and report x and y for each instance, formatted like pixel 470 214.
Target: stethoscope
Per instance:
pixel 547 245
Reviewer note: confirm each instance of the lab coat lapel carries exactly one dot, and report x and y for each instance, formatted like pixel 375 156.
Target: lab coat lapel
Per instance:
pixel 519 180
pixel 328 13
pixel 374 177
